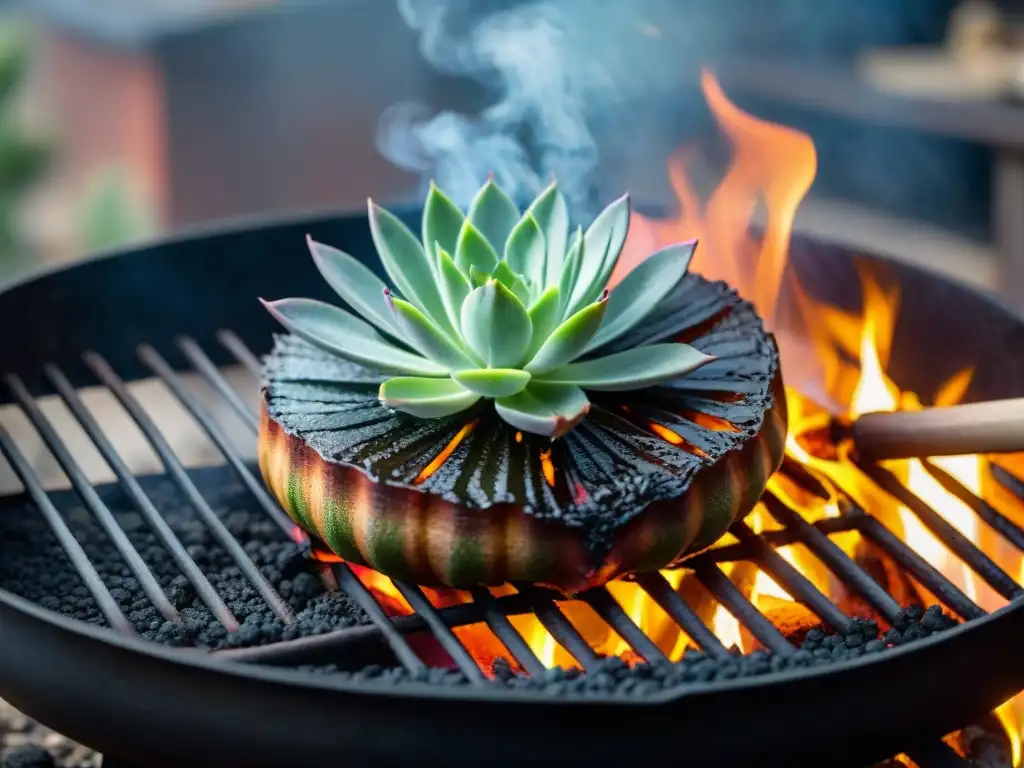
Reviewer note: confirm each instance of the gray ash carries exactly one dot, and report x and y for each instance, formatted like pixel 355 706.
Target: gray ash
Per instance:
pixel 613 676
pixel 35 567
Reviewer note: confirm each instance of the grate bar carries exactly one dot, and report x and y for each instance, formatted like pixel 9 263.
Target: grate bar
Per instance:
pixel 337 641
pixel 188 567
pixel 804 479
pixel 943 530
pixel 177 471
pixel 658 587
pixel 833 557
pixel 23 469
pixel 608 608
pixel 355 589
pixel 726 593
pixel 204 365
pixel 790 579
pixel 1008 480
pixel 509 636
pixel 559 627
pixel 130 555
pixel 919 568
pixel 782 537
pixel 441 631
pixel 159 366
pixel 938 755
pixel 1012 532
pixel 233 344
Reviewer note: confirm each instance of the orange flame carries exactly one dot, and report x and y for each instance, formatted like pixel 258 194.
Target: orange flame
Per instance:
pixel 773 167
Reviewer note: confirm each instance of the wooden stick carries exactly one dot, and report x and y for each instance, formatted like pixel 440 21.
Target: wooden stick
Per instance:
pixel 996 426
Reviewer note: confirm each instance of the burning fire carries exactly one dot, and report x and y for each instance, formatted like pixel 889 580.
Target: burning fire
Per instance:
pixel 773 167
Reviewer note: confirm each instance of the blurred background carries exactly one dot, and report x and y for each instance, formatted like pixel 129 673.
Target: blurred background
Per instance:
pixel 124 120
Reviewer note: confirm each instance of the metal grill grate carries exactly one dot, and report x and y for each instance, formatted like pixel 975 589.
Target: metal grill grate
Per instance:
pixel 485 607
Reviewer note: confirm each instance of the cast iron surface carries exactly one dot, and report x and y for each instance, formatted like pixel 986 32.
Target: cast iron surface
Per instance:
pixel 153 706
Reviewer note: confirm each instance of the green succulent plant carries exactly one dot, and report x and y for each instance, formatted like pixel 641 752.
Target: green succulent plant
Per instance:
pixel 499 304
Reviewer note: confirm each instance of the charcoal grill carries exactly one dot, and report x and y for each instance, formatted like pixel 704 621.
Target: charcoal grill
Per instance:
pixel 189 304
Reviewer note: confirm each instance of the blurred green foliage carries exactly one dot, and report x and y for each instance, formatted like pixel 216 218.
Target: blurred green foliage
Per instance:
pixel 111 214
pixel 23 158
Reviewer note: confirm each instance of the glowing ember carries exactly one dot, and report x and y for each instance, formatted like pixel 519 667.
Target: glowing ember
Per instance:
pixel 774 166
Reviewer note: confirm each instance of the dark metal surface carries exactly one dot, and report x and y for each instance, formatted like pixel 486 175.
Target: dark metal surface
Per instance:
pixel 201 711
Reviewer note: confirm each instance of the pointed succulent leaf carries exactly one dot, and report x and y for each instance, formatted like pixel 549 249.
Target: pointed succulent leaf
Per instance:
pixel 632 369
pixel 544 317
pixel 442 222
pixel 478 277
pixel 494 214
pixel 521 289
pixel 407 263
pixel 336 331
pixel 642 290
pixel 455 286
pixel 493 382
pixel 552 215
pixel 524 250
pixel 550 410
pixel 570 269
pixel 569 339
pixel 604 241
pixel 473 250
pixel 496 325
pixel 503 274
pixel 429 340
pixel 425 398
pixel 355 283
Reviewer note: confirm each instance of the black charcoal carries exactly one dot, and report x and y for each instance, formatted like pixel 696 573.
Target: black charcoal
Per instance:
pixel 28 756
pixel 613 676
pixel 36 568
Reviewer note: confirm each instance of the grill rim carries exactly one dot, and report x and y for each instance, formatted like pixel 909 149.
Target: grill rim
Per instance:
pixel 126 655
pixel 963 635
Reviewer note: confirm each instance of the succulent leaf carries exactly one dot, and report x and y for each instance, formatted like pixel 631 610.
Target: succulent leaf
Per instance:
pixel 477 277
pixel 407 263
pixel 473 250
pixel 442 222
pixel 544 409
pixel 569 339
pixel 355 283
pixel 493 382
pixel 552 215
pixel 457 327
pixel 455 286
pixel 503 274
pixel 544 316
pixel 632 369
pixel 642 290
pixel 428 338
pixel 525 249
pixel 570 270
pixel 425 398
pixel 604 240
pixel 493 214
pixel 496 325
pixel 336 331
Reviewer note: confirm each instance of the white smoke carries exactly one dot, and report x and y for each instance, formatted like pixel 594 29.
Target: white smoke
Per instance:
pixel 563 70
pixel 569 76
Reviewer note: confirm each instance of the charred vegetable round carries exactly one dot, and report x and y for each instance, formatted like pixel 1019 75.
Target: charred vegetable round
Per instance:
pixel 497 414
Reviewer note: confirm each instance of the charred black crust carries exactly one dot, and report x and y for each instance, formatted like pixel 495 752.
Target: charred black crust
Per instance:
pixel 608 469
